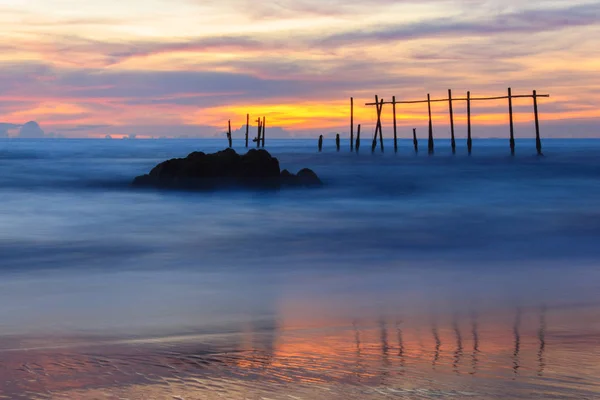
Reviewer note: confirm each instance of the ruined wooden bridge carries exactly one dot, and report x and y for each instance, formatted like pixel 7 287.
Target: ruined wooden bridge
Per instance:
pixel 379 103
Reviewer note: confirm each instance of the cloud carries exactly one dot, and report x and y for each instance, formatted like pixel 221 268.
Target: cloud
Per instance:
pixel 5 127
pixel 297 61
pixel 520 22
pixel 31 130
pixel 274 132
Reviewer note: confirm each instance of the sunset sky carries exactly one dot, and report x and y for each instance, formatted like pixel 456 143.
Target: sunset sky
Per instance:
pixel 184 67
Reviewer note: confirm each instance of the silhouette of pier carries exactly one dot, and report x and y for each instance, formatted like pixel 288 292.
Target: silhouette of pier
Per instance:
pixel 380 103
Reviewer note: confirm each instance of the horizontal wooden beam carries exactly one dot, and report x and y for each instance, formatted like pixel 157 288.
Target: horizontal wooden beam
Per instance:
pixel 462 99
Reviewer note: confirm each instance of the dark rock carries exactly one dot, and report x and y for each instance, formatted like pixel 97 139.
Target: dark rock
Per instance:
pixel 307 177
pixel 226 168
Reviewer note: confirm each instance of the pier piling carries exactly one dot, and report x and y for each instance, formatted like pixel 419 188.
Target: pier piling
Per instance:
pixel 512 126
pixel 259 131
pixel 229 134
pixel 395 130
pixel 378 126
pixel 452 140
pixel 263 131
pixel 538 141
pixel 357 138
pixel 320 143
pixel 430 143
pixel 469 139
pixel 351 124
pixel 415 141
pixel 247 128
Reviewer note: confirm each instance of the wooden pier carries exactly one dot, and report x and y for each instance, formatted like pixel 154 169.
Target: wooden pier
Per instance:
pixel 379 103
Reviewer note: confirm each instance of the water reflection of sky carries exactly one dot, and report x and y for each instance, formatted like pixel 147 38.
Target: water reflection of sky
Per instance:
pixel 308 336
pixel 480 355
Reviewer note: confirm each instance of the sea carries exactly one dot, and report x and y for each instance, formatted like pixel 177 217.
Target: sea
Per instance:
pixel 407 275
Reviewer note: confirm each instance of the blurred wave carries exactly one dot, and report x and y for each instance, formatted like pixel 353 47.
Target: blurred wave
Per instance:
pixel 403 265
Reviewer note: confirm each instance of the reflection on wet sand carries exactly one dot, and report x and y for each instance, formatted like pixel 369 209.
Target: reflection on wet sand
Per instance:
pixel 517 336
pixel 475 335
pixel 400 347
pixel 459 346
pixel 542 339
pixel 438 345
pixel 351 361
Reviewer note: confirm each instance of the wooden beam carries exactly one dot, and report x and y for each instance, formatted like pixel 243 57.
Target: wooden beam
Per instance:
pixel 512 125
pixel 538 141
pixel 452 140
pixel 358 138
pixel 430 144
pixel 469 139
pixel 521 96
pixel 320 143
pixel 351 124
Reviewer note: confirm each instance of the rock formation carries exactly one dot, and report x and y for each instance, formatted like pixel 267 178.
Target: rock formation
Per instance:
pixel 226 168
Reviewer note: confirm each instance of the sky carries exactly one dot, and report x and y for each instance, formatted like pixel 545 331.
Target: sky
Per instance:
pixel 178 68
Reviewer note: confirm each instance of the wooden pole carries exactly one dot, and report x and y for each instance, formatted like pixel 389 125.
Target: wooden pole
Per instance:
pixel 469 140
pixel 258 137
pixel 452 139
pixel 320 143
pixel 358 138
pixel 430 144
pixel 247 128
pixel 538 141
pixel 415 141
pixel 263 131
pixel 229 134
pixel 395 129
pixel 351 124
pixel 337 142
pixel 512 126
pixel 378 126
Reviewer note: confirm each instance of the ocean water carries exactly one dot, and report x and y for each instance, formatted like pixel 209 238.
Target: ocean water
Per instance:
pixel 405 276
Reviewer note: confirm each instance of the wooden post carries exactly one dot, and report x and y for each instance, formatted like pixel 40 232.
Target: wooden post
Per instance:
pixel 395 134
pixel 452 139
pixel 469 140
pixel 258 137
pixel 351 124
pixel 378 126
pixel 320 143
pixel 247 128
pixel 415 141
pixel 512 126
pixel 263 131
pixel 538 141
pixel 337 142
pixel 380 129
pixel 229 134
pixel 358 138
pixel 430 144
